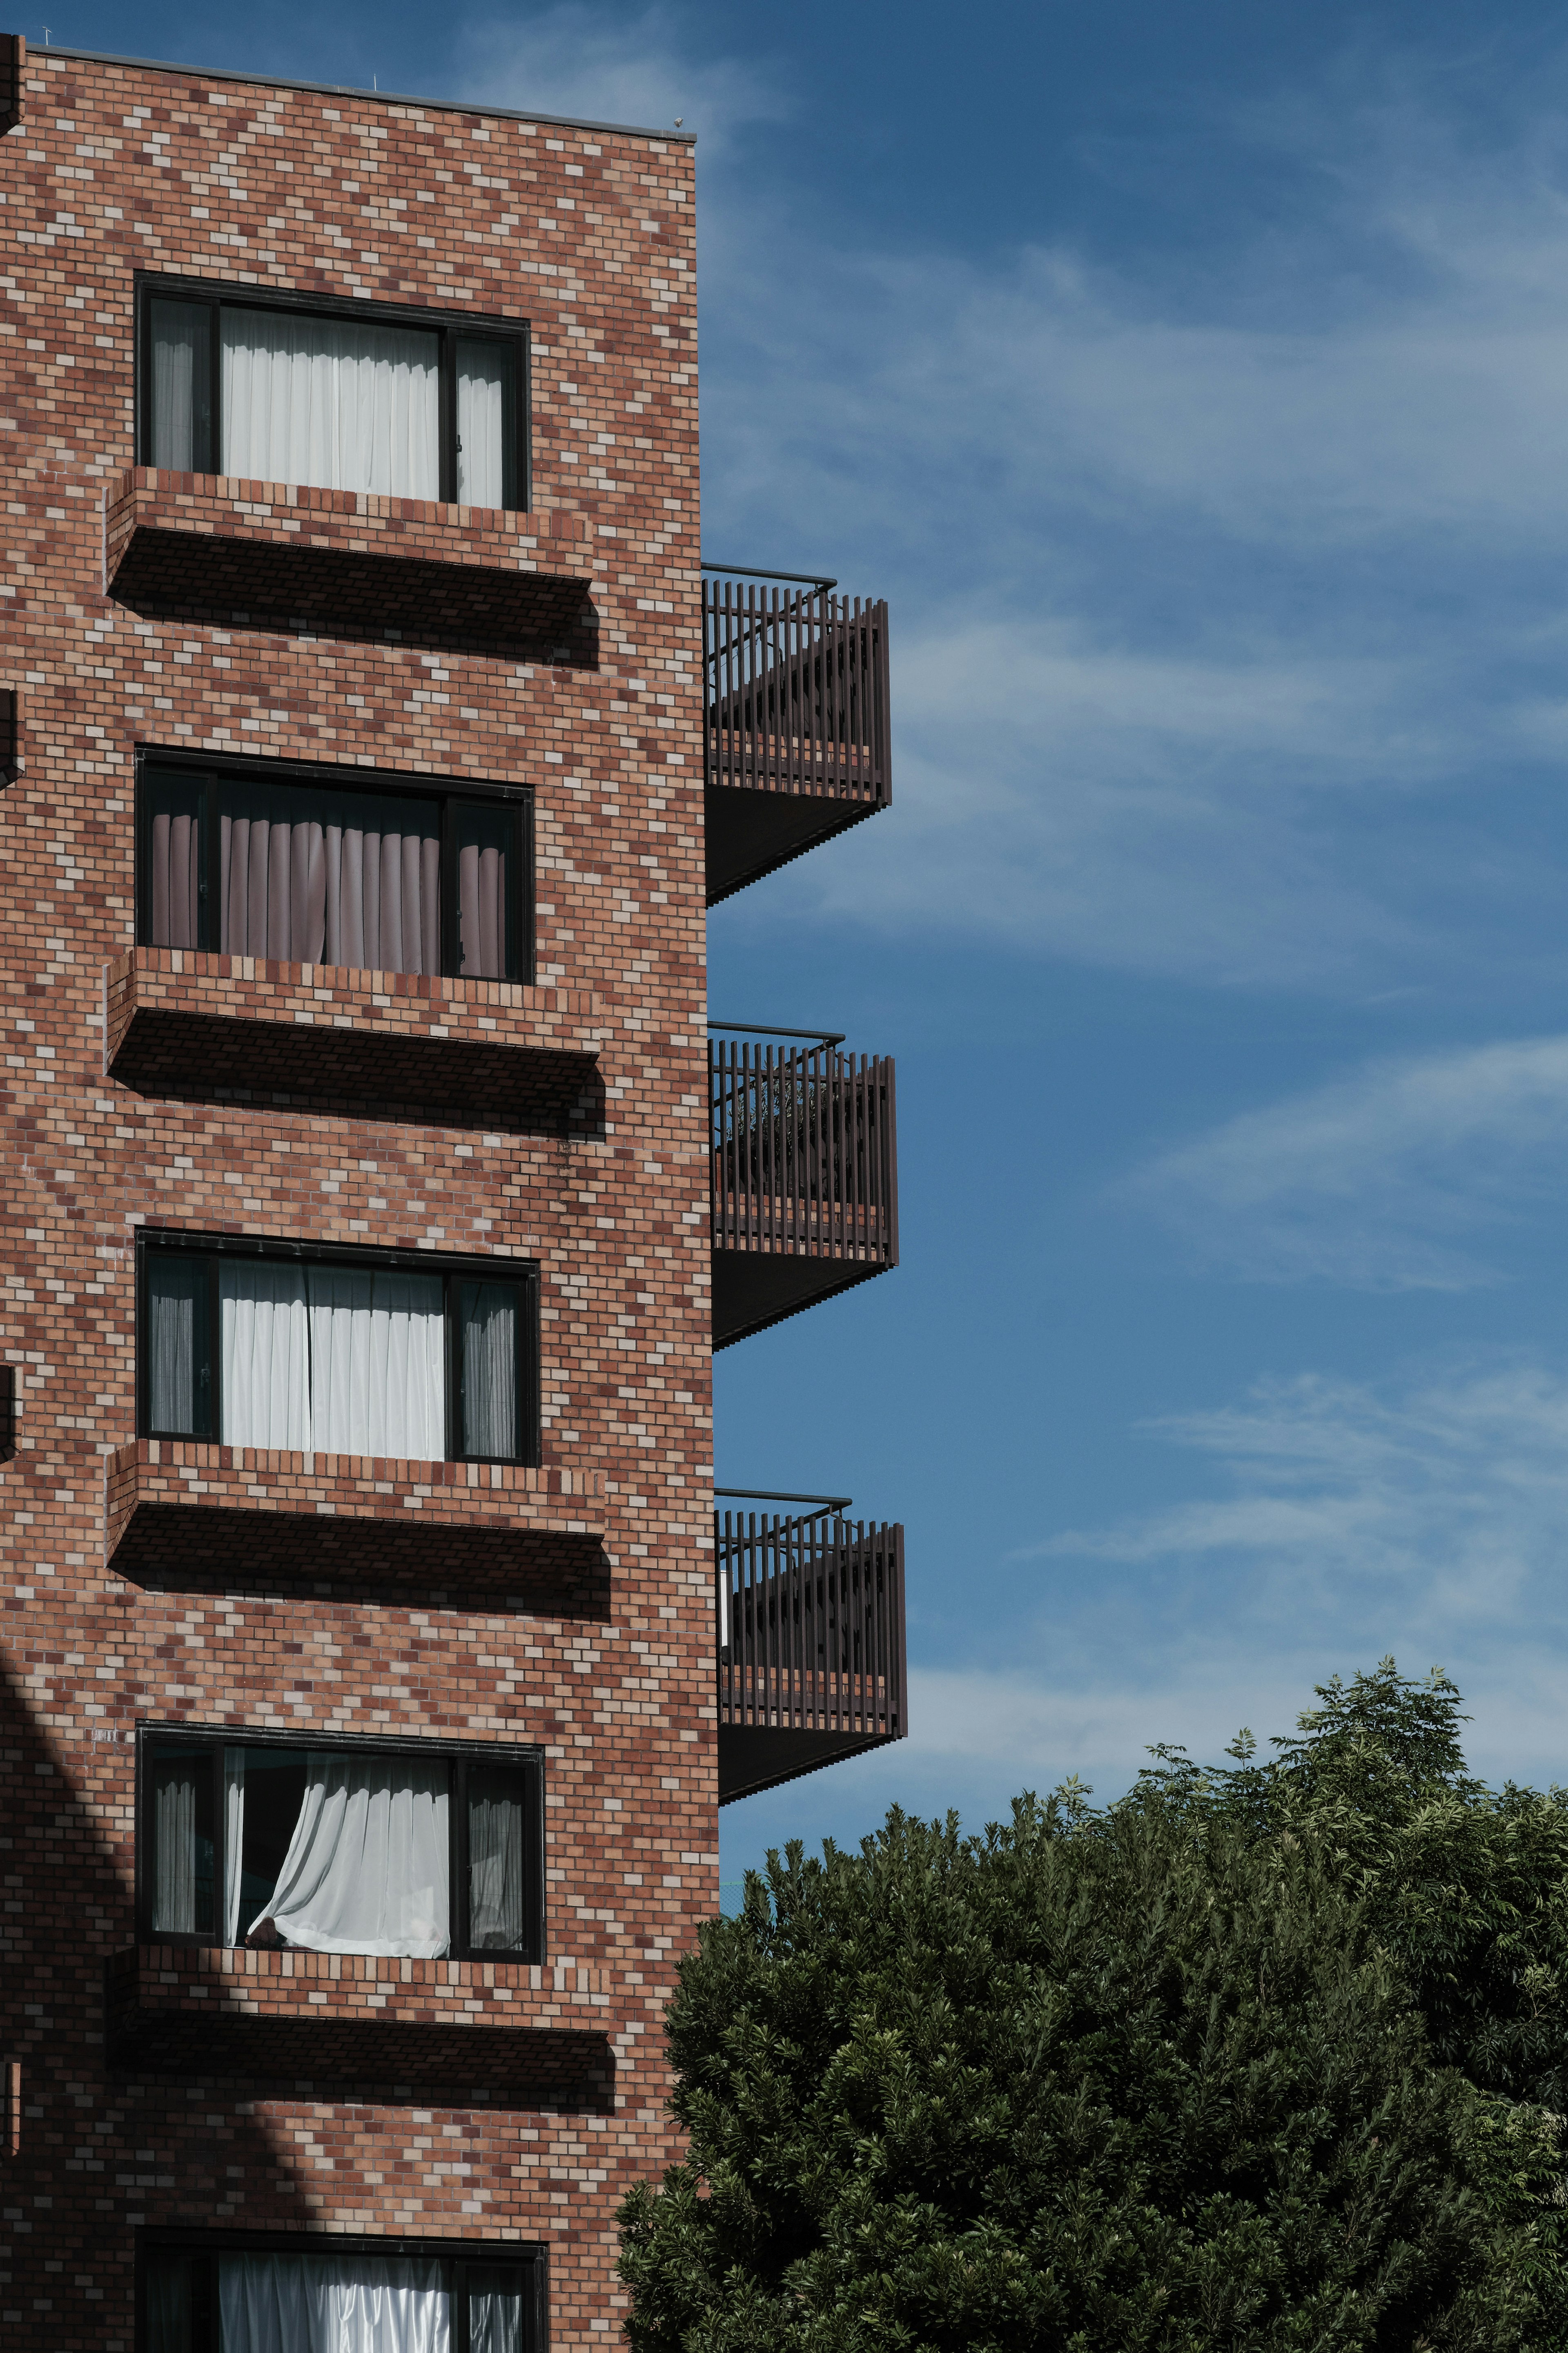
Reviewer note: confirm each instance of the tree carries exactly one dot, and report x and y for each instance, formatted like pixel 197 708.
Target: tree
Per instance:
pixel 1206 2068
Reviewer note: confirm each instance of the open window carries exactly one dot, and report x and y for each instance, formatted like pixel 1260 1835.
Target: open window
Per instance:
pixel 272 2293
pixel 392 875
pixel 317 1351
pixel 356 396
pixel 411 1850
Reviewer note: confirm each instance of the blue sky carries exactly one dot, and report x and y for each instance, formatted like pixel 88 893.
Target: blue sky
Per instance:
pixel 1194 383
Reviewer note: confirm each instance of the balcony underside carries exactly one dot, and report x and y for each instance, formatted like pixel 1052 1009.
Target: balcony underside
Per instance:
pixel 175 1053
pixel 753 1289
pixel 391 2057
pixel 753 1757
pixel 753 833
pixel 230 582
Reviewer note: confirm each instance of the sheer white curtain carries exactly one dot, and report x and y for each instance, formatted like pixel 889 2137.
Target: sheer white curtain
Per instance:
pixel 377 1364
pixel 488 1316
pixel 366 1867
pixel 495 2312
pixel 318 2304
pixel 174 1289
pixel 332 1360
pixel 495 1861
pixel 174 1844
pixel 264 1340
pixel 179 332
pixel 233 1839
pixel 347 406
pixel 481 416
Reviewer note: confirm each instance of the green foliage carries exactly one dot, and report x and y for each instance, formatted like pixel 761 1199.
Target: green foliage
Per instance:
pixel 1265 2057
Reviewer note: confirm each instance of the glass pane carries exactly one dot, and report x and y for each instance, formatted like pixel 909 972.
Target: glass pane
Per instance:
pixel 179 1368
pixel 337 402
pixel 173 909
pixel 378 1364
pixel 181 437
pixel 498 1795
pixel 485 838
pixel 168 2275
pixel 181 1840
pixel 264 1793
pixel 488 1331
pixel 495 2307
pixel 311 876
pixel 323 2304
pixel 485 409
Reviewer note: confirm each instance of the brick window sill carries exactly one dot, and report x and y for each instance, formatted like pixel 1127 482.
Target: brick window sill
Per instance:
pixel 275 555
pixel 466 1053
pixel 183 1516
pixel 497 2031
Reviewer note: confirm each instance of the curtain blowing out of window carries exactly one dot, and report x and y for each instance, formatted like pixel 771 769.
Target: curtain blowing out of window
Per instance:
pixel 335 402
pixel 349 2304
pixel 366 1869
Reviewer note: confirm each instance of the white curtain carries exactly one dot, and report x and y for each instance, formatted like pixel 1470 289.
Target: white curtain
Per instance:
pixel 495 2312
pixel 495 1862
pixel 174 1844
pixel 333 1360
pixel 347 406
pixel 319 2304
pixel 174 1290
pixel 482 415
pixel 233 1839
pixel 377 1364
pixel 179 330
pixel 264 1336
pixel 366 1867
pixel 489 1311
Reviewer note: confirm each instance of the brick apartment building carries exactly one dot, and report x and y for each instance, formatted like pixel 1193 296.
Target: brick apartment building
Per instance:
pixel 373 1661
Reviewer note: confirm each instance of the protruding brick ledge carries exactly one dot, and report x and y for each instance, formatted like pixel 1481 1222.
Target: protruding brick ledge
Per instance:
pixel 189 1517
pixel 460 1053
pixel 490 2033
pixel 283 556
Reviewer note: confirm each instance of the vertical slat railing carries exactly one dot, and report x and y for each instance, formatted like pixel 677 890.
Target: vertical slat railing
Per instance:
pixel 814 1624
pixel 803 1150
pixel 799 696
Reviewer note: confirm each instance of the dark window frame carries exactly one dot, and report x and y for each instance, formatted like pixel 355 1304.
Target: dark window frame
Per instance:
pixel 452 326
pixel 526 1756
pixel 459 2256
pixel 380 784
pixel 453 1267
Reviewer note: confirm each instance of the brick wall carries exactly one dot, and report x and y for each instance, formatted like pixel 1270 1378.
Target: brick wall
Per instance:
pixel 604 1658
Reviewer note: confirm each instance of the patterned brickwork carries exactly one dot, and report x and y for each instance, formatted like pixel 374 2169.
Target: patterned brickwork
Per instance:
pixel 597 1647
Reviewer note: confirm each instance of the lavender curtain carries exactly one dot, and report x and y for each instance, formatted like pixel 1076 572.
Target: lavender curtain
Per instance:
pixel 176 876
pixel 481 900
pixel 330 895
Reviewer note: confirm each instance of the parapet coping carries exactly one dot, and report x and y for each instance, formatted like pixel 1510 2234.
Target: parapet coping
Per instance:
pixel 346 90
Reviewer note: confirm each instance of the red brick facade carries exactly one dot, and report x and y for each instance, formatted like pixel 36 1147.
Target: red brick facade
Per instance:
pixel 146 1583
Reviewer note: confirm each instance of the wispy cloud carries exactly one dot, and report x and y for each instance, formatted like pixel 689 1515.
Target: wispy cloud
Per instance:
pixel 1386 1180
pixel 605 67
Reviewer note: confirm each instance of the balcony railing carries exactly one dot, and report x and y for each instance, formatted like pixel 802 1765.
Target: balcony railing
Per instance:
pixel 798 722
pixel 804 1175
pixel 810 1640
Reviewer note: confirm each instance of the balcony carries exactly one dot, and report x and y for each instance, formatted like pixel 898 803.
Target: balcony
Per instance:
pixel 799 724
pixel 345 564
pixel 185 1515
pixel 466 2034
pixel 489 1054
pixel 802 1173
pixel 811 1664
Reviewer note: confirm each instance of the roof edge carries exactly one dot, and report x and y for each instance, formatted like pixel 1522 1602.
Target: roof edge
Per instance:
pixel 348 90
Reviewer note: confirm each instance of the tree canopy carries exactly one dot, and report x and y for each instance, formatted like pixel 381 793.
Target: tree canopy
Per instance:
pixel 1264 2056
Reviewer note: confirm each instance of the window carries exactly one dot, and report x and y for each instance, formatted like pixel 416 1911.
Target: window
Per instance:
pixel 414 1849
pixel 265 2292
pixel 254 860
pixel 347 395
pixel 322 1351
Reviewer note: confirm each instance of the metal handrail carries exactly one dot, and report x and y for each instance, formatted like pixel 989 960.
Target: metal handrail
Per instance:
pixel 810 1625
pixel 760 572
pixel 761 1030
pixel 782 1495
